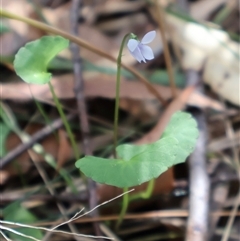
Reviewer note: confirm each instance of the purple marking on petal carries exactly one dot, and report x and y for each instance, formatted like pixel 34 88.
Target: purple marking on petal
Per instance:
pixel 146 52
pixel 132 44
pixel 148 37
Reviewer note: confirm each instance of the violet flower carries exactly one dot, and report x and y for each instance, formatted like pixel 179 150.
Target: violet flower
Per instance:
pixel 139 50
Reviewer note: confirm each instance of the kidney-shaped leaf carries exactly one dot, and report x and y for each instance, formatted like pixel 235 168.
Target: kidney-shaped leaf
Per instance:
pixel 138 164
pixel 32 60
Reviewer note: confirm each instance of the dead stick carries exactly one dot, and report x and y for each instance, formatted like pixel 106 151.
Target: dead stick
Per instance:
pixel 81 102
pixel 38 136
pixel 197 226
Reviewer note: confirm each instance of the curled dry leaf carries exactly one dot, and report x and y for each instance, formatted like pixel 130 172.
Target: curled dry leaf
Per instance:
pixel 211 50
pixel 222 72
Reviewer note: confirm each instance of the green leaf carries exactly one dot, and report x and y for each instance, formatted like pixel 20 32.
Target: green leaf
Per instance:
pixel 59 63
pixel 31 61
pixel 138 164
pixel 6 59
pixel 18 214
pixel 161 77
pixel 4 131
pixel 4 28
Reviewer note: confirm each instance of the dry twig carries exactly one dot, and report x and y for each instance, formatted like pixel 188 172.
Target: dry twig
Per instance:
pixel 81 101
pixel 197 228
pixel 38 136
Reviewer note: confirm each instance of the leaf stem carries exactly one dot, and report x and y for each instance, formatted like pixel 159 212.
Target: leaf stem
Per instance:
pixel 116 111
pixel 145 194
pixel 65 122
pixel 124 207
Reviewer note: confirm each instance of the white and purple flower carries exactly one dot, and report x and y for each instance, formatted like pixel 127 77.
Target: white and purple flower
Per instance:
pixel 139 50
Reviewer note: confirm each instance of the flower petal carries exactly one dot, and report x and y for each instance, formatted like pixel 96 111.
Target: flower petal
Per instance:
pixel 148 37
pixel 132 44
pixel 146 52
pixel 138 55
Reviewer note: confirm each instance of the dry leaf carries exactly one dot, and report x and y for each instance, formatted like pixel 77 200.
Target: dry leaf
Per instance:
pixel 23 162
pixel 200 10
pixel 25 9
pixel 143 110
pixel 59 148
pixel 113 7
pixel 177 104
pixel 64 149
pixel 5 175
pixel 211 50
pixel 60 18
pixel 96 85
pixel 221 72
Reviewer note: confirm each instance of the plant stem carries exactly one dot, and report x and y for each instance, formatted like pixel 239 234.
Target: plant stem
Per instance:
pixel 44 114
pixel 127 199
pixel 115 131
pixel 85 45
pixel 65 122
pixel 124 207
pixel 145 194
pixel 116 111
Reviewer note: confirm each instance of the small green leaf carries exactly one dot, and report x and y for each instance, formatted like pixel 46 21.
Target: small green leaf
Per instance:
pixel 138 164
pixel 32 60
pixel 4 131
pixel 161 77
pixel 4 28
pixel 18 214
